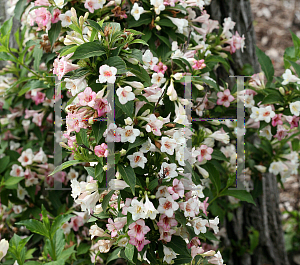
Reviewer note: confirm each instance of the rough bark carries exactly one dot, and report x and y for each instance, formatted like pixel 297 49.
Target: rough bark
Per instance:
pixel 265 216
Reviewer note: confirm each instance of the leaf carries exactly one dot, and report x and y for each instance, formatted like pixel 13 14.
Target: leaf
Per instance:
pixel 66 253
pixel 214 175
pixel 129 251
pixel 116 62
pixel 128 108
pixel 12 181
pixel 179 246
pixel 145 19
pixel 296 42
pixel 272 98
pixel 128 175
pixel 296 67
pixel 4 162
pixel 166 22
pixel 98 130
pixel 106 200
pixel 95 25
pixel 87 50
pixel 114 255
pixel 138 141
pixel 19 9
pixel 83 248
pixel 266 64
pixel 37 55
pixel 137 54
pixel 210 236
pixel 68 50
pixel 243 195
pixel 115 26
pixel 98 172
pixel 65 165
pixel 218 155
pixel 53 33
pixel 35 227
pixel 58 222
pixel 165 40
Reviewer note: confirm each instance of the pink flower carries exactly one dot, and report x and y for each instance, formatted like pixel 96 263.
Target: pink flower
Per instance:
pixel 101 150
pixel 281 133
pixel 41 3
pixel 39 98
pixel 101 105
pixel 87 97
pixel 236 42
pixel 225 98
pixel 116 226
pixel 111 134
pixel 63 66
pixel 76 222
pixel 160 68
pixel 194 242
pixel 166 222
pixel 166 235
pixel 43 16
pixel 205 153
pixel 138 230
pixel 55 18
pixel 75 122
pixel 91 5
pixel 38 118
pixel 293 121
pixel 154 125
pixel 203 206
pixel 127 204
pixel 196 251
pixel 276 120
pixel 198 65
pixel 139 243
pixel 177 190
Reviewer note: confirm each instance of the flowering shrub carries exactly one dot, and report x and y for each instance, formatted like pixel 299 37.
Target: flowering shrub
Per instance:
pixel 156 182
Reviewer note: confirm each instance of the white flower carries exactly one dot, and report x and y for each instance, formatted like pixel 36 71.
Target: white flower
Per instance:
pixel 128 121
pixel 199 225
pixel 171 92
pixel 147 146
pixel 76 189
pixel 168 145
pixel 221 137
pixel 261 168
pixel 31 181
pixel 266 114
pixel 128 134
pixel 66 227
pixel 169 255
pixel 21 192
pixel 174 47
pixel 13 145
pixel 266 132
pixel 217 259
pixel 249 101
pixel 26 158
pixel 178 76
pixel 137 210
pixel 288 77
pixel 214 224
pixel 181 23
pixel 117 184
pixel 295 108
pixel 73 174
pixel 59 3
pixel 158 5
pixel 125 94
pixel 75 85
pixel 167 206
pixel 17 209
pixel 137 159
pixel 276 167
pixel 107 74
pixel 136 11
pixel 40 157
pixel 149 60
pixel 4 245
pixel 176 54
pixel 158 79
pixel 255 114
pixel 17 171
pixel 197 191
pixel 65 18
pixel 168 170
pixel 150 211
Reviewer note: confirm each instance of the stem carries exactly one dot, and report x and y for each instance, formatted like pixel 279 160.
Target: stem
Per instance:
pixel 53 248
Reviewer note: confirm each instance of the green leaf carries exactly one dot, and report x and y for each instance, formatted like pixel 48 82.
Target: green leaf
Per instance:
pixel 128 175
pixel 83 248
pixel 254 239
pixel 98 172
pixel 214 175
pixel 87 50
pixel 218 155
pixel 243 195
pixel 145 19
pixel 106 200
pixel 115 26
pixel 210 236
pixel 164 39
pixel 7 57
pixel 128 108
pixel 95 25
pixel 129 251
pixel 114 255
pixel 166 22
pixel 53 33
pixel 266 64
pixel 19 9
pixel 138 142
pixel 66 253
pixel 272 98
pixel 35 227
pixel 116 62
pixel 296 67
pixel 37 55
pixel 68 50
pixel 98 130
pixel 179 246
pixel 4 162
pixel 90 171
pixel 65 165
pixel 137 54
pixel 58 222
pixel 12 181
pixel 296 42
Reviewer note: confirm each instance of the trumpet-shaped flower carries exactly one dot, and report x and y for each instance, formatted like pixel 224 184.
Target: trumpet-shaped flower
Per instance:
pixel 107 74
pixel 125 94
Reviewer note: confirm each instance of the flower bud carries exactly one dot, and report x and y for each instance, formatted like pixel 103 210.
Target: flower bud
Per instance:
pixel 177 76
pixel 281 109
pixel 157 19
pixel 218 47
pixel 106 18
pixel 118 175
pixel 147 180
pixel 223 55
pixel 133 60
pixel 123 152
pixel 214 122
pixel 142 134
pixel 140 192
pixel 158 27
pixel 152 197
pixel 81 21
pixel 105 168
pixel 199 87
pixel 91 120
pixel 86 15
pixel 282 91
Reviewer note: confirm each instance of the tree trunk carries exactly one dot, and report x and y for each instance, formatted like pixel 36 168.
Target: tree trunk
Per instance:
pixel 265 216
